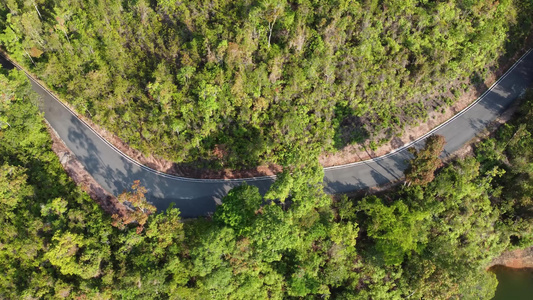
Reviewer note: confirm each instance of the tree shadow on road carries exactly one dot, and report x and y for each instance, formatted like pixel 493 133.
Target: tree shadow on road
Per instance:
pixel 116 174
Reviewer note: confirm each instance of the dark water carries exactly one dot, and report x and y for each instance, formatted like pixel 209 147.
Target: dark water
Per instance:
pixel 514 284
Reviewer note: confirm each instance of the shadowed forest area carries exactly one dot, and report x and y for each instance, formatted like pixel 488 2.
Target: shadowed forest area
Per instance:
pixel 431 239
pixel 233 84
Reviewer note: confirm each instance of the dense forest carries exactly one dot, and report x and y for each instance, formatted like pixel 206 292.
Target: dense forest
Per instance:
pixel 231 83
pixel 429 239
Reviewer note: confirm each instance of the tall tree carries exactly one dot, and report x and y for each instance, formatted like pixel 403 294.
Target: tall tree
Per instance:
pixel 422 167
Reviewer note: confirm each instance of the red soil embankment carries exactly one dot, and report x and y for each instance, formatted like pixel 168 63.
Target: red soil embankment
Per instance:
pixel 520 258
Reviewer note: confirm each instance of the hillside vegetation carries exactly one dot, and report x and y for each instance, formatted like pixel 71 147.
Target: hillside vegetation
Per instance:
pixel 429 240
pixel 239 83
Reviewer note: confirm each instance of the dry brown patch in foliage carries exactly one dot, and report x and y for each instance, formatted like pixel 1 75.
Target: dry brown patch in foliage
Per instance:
pixel 140 208
pixel 421 170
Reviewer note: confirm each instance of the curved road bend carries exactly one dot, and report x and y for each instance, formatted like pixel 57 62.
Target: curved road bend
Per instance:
pixel 195 197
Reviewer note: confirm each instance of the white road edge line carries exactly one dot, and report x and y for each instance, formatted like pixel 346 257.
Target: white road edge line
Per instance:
pixel 260 178
pixel 459 114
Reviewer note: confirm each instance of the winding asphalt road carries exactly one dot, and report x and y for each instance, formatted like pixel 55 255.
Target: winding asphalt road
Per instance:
pixel 196 197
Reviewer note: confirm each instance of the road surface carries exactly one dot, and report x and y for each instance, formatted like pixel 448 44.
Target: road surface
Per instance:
pixel 116 172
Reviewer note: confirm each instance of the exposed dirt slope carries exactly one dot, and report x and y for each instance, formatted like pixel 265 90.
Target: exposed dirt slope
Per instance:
pixel 520 258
